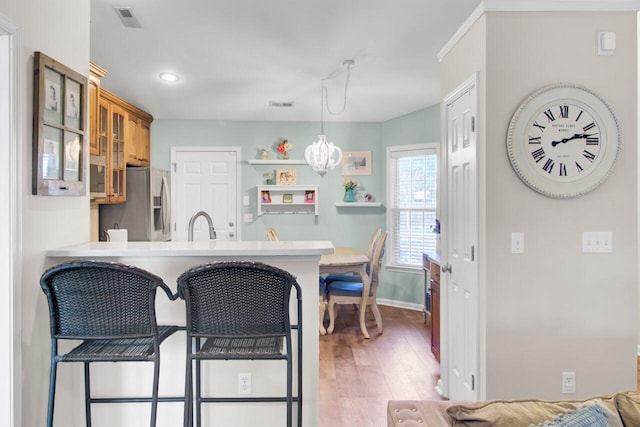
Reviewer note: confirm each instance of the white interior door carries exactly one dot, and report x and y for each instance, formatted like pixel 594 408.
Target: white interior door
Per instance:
pixel 461 228
pixel 205 179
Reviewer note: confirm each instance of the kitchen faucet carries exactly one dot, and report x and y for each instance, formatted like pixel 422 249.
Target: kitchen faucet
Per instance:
pixel 212 232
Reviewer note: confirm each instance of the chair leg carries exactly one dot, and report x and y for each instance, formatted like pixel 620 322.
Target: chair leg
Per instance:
pixel 154 396
pixel 376 314
pixel 332 316
pixel 289 389
pixel 52 390
pixel 323 308
pixel 363 324
pixel 87 394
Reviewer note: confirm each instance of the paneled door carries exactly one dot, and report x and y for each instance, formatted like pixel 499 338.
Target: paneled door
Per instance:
pixel 459 272
pixel 205 179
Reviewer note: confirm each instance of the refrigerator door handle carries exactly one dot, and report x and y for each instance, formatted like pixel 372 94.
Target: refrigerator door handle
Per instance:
pixel 165 205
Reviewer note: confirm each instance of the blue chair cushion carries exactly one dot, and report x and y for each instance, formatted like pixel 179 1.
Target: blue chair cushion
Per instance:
pixel 342 278
pixel 347 289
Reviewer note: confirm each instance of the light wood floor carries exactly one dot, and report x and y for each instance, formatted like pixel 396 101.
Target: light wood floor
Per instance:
pixel 359 376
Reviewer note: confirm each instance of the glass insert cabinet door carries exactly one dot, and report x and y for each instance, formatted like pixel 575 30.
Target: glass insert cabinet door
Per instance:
pixel 59 127
pixel 117 162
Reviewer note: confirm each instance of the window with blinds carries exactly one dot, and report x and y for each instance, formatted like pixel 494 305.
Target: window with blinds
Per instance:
pixel 412 203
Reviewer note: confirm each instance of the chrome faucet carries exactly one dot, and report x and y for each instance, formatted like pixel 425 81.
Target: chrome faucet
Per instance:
pixel 212 232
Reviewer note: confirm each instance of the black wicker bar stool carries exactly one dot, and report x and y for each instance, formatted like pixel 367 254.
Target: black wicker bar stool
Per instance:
pixel 111 308
pixel 239 311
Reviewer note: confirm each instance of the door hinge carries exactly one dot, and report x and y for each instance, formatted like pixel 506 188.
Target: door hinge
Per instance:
pixel 473 253
pixel 175 167
pixel 473 124
pixel 473 382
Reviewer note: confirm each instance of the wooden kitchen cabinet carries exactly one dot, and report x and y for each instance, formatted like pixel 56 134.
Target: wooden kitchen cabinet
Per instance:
pixel 120 135
pixel 434 270
pixel 96 73
pixel 139 140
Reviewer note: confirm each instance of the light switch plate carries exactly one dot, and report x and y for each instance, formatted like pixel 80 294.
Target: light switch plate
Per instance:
pixel 246 201
pixel 517 242
pixel 248 217
pixel 597 242
pixel 606 42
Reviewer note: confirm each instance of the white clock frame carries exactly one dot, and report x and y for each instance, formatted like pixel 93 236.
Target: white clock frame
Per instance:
pixel 518 140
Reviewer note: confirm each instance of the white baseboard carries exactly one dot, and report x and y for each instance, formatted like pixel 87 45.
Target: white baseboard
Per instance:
pixel 399 304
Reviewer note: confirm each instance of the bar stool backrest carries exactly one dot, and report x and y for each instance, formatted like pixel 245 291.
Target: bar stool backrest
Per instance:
pixel 89 299
pixel 237 298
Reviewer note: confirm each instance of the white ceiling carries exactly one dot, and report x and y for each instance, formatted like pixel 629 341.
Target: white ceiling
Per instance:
pixel 235 56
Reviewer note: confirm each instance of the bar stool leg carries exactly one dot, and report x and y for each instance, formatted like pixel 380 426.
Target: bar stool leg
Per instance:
pixel 154 397
pixel 52 390
pixel 87 394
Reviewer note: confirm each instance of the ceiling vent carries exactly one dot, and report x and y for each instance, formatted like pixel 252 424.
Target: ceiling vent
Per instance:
pixel 284 104
pixel 127 17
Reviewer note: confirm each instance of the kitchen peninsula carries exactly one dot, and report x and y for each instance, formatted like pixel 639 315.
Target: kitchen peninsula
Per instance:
pixel 168 260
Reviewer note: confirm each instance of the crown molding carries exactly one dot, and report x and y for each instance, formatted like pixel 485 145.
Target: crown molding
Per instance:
pixel 536 6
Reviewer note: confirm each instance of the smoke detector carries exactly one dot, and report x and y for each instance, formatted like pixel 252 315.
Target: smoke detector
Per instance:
pixel 127 17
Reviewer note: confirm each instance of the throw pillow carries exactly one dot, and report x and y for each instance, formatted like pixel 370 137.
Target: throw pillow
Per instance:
pixel 587 416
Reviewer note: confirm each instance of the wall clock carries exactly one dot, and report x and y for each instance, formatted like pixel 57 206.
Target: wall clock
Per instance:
pixel 563 140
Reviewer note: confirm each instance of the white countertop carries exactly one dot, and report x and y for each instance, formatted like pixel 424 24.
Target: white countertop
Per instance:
pixel 217 248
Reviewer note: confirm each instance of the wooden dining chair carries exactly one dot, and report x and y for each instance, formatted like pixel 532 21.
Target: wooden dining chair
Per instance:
pixel 272 235
pixel 354 277
pixel 352 292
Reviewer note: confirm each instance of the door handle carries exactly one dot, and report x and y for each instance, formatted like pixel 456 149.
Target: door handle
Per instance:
pixel 446 268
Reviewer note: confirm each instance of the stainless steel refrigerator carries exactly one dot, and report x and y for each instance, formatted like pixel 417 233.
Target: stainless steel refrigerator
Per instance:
pixel 146 214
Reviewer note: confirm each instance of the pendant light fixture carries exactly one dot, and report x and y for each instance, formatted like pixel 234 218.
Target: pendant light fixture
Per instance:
pixel 323 156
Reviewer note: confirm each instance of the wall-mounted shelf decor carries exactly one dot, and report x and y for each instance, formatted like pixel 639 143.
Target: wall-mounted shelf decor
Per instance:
pixel 59 121
pixel 276 162
pixel 358 204
pixel 287 199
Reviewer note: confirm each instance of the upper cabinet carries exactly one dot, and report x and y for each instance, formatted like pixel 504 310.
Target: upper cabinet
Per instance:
pixel 120 135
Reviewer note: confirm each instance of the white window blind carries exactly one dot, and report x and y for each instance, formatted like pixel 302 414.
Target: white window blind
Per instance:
pixel 413 195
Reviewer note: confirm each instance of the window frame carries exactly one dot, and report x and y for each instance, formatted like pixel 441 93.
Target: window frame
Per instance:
pixel 391 263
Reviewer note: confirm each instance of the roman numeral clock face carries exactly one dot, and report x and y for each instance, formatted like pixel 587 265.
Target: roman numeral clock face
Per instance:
pixel 563 141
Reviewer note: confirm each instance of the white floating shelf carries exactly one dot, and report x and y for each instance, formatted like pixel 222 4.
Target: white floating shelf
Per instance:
pixel 358 204
pixel 277 162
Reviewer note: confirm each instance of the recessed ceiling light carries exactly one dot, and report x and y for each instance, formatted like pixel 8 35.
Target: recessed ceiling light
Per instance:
pixel 169 77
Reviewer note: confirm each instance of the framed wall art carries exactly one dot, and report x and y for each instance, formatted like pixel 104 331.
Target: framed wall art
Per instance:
pixel 59 129
pixel 286 176
pixel 356 163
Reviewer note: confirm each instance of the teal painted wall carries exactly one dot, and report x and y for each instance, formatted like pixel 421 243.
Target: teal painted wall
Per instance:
pixel 419 127
pixel 342 226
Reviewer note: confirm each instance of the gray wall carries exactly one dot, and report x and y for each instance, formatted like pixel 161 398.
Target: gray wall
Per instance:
pixel 553 308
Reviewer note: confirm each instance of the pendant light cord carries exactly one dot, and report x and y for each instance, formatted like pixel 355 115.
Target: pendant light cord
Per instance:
pixel 324 95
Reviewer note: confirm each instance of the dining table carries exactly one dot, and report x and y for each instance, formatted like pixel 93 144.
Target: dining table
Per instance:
pixel 346 260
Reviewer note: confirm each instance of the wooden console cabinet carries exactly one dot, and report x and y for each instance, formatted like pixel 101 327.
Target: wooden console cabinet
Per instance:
pixel 434 269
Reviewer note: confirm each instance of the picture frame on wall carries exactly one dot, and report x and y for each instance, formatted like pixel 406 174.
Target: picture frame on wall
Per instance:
pixel 59 129
pixel 356 163
pixel 286 176
pixel 310 196
pixel 287 198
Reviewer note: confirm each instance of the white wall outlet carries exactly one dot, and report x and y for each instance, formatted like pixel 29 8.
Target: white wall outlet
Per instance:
pixel 568 382
pixel 517 243
pixel 597 242
pixel 248 217
pixel 244 383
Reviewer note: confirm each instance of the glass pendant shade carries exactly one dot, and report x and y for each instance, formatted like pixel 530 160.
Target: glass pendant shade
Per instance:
pixel 322 155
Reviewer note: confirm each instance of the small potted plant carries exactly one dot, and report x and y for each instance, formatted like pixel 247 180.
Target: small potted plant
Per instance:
pixel 284 147
pixel 350 186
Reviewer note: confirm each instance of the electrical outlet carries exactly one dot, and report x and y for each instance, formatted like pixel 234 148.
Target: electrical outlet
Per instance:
pixel 248 217
pixel 244 383
pixel 568 382
pixel 517 243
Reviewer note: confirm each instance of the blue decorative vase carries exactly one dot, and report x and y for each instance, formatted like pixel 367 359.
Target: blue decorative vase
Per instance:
pixel 349 196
